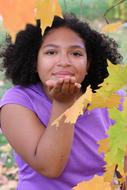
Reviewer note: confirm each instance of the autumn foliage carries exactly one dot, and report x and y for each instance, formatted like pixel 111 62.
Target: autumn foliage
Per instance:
pixel 15 18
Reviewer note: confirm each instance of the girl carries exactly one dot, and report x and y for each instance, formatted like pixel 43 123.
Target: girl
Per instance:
pixel 49 74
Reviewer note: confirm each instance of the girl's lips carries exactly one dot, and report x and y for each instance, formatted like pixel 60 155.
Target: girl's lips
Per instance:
pixel 62 76
pixel 63 73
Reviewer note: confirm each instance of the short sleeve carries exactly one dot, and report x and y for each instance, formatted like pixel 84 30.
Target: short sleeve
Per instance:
pixel 16 96
pixel 31 97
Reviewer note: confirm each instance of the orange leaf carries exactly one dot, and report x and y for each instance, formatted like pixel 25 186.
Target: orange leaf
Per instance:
pixel 100 101
pixel 97 183
pixel 103 145
pixel 112 27
pixel 46 10
pixel 16 13
pixel 76 109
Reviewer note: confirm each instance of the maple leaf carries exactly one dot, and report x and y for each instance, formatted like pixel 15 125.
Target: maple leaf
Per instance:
pixel 51 7
pixel 17 15
pixel 116 80
pixel 97 183
pixel 112 158
pixel 118 136
pixel 100 100
pixel 117 143
pixel 76 109
pixel 109 173
pixel 106 95
pixel 109 167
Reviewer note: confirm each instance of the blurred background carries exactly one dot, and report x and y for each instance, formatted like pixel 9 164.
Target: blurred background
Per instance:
pixel 108 16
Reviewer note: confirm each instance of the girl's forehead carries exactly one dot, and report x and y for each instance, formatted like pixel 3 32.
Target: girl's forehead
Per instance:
pixel 62 34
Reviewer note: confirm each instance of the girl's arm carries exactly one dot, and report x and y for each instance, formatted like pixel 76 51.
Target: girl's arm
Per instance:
pixel 44 149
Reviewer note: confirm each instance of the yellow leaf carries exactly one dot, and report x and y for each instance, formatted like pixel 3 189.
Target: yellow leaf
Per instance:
pixel 116 79
pixel 112 27
pixel 100 100
pixel 106 96
pixel 45 10
pixel 97 183
pixel 76 109
pixel 109 173
pixel 125 106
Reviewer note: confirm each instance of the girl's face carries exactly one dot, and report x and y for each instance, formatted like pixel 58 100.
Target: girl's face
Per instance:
pixel 62 54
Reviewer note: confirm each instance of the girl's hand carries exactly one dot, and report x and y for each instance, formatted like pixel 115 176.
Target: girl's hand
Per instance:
pixel 64 89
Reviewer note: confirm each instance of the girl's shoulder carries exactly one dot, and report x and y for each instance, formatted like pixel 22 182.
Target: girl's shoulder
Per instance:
pixel 26 96
pixel 31 97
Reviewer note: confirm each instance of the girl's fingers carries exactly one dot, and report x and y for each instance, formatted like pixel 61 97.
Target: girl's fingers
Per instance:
pixel 77 85
pixel 72 85
pixel 69 86
pixel 50 84
pixel 77 88
pixel 66 85
pixel 58 86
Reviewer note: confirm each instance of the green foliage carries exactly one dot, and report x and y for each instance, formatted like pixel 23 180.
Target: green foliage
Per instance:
pixel 95 9
pixel 5 153
pixel 5 156
pixel 118 12
pixel 3 140
pixel 118 140
pixel 2 34
pixel 4 84
pixel 85 8
pixel 121 38
pixel 9 160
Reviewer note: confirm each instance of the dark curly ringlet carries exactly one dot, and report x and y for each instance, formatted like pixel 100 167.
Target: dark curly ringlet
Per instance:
pixel 20 59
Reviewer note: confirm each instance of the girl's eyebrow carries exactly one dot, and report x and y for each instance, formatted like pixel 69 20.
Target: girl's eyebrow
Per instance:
pixel 57 46
pixel 50 45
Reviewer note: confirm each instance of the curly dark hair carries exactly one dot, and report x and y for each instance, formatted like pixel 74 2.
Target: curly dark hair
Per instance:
pixel 20 58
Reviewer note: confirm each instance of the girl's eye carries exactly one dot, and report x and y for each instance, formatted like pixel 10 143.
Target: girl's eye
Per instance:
pixel 77 54
pixel 51 52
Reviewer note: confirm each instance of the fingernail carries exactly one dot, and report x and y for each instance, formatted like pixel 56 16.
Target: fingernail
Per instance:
pixel 78 85
pixel 46 82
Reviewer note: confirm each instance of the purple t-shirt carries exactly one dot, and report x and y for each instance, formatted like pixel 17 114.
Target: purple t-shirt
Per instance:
pixel 84 161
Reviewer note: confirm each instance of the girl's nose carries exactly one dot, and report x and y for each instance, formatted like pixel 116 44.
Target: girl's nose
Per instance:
pixel 64 59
